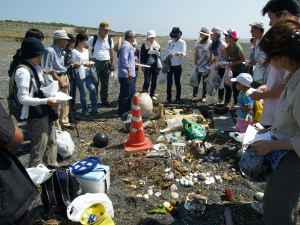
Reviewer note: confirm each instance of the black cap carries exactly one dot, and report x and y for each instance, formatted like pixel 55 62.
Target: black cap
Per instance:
pixel 32 47
pixel 176 32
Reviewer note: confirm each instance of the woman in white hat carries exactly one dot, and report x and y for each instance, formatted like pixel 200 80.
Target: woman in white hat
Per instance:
pixel 201 61
pixel 150 56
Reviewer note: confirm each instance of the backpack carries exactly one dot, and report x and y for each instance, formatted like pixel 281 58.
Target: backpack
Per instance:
pixel 95 38
pixel 14 106
pixel 59 191
pixel 18 192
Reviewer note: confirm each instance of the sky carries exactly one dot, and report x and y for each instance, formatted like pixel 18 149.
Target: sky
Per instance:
pixel 141 15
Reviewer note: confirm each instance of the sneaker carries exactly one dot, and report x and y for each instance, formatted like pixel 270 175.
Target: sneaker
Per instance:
pixel 94 112
pixel 83 114
pixel 259 196
pixel 178 101
pixel 258 207
pixel 106 104
pixel 154 98
pixel 194 99
pixel 124 116
pixel 67 126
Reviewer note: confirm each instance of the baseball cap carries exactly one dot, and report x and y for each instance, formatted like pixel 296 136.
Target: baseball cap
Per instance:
pixel 60 34
pixel 151 34
pixel 244 79
pixel 104 25
pixel 204 31
pixel 231 33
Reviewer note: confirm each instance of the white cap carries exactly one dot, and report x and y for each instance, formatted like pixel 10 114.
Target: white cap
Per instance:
pixel 151 34
pixel 244 79
pixel 60 34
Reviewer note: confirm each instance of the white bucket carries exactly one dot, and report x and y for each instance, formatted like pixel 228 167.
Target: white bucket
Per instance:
pixel 97 181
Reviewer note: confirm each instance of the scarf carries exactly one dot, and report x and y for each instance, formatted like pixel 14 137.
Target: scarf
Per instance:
pixel 153 46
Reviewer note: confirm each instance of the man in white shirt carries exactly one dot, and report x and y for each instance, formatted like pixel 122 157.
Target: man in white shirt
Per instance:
pixel 101 51
pixel 176 52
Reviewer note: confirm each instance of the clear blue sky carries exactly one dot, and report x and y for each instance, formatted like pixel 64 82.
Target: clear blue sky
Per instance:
pixel 141 15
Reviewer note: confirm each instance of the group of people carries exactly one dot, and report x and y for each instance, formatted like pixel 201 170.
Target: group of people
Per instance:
pixel 270 75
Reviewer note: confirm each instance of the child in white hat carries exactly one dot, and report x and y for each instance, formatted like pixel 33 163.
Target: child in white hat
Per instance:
pixel 245 102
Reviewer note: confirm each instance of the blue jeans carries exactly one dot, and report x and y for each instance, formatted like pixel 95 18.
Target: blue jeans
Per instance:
pixel 90 85
pixel 127 91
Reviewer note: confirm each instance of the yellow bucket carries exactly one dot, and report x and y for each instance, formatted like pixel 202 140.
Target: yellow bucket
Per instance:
pixel 96 215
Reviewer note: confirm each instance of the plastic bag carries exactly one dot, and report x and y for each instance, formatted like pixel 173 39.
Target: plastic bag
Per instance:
pixel 242 125
pixel 162 78
pixel 227 78
pixel 159 63
pixel 39 174
pixel 82 72
pixel 253 166
pixel 76 209
pixel 113 75
pixel 65 144
pixel 193 131
pixel 213 82
pixel 50 90
pixel 194 78
pixel 173 124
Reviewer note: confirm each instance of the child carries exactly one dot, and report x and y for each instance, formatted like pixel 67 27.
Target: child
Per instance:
pixel 245 111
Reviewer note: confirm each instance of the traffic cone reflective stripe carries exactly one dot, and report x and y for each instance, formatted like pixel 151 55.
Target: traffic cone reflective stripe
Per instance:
pixel 137 124
pixel 136 113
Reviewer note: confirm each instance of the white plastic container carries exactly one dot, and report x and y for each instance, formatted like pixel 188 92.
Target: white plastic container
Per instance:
pixel 97 181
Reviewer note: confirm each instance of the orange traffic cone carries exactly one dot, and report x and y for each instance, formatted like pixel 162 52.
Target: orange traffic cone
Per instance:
pixel 137 142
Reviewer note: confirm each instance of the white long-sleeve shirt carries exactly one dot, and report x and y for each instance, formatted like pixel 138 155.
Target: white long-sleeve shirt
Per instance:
pixel 23 79
pixel 176 47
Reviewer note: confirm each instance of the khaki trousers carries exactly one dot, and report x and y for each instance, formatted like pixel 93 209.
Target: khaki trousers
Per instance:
pixel 63 109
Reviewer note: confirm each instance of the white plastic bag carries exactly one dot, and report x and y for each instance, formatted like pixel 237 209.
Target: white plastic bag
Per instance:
pixel 227 78
pixel 113 75
pixel 211 85
pixel 79 204
pixel 65 144
pixel 173 125
pixel 162 78
pixel 61 97
pixel 39 174
pixel 50 90
pixel 194 82
pixel 82 72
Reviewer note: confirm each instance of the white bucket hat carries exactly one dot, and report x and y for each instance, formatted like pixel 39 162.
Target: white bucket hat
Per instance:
pixel 244 79
pixel 60 34
pixel 151 34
